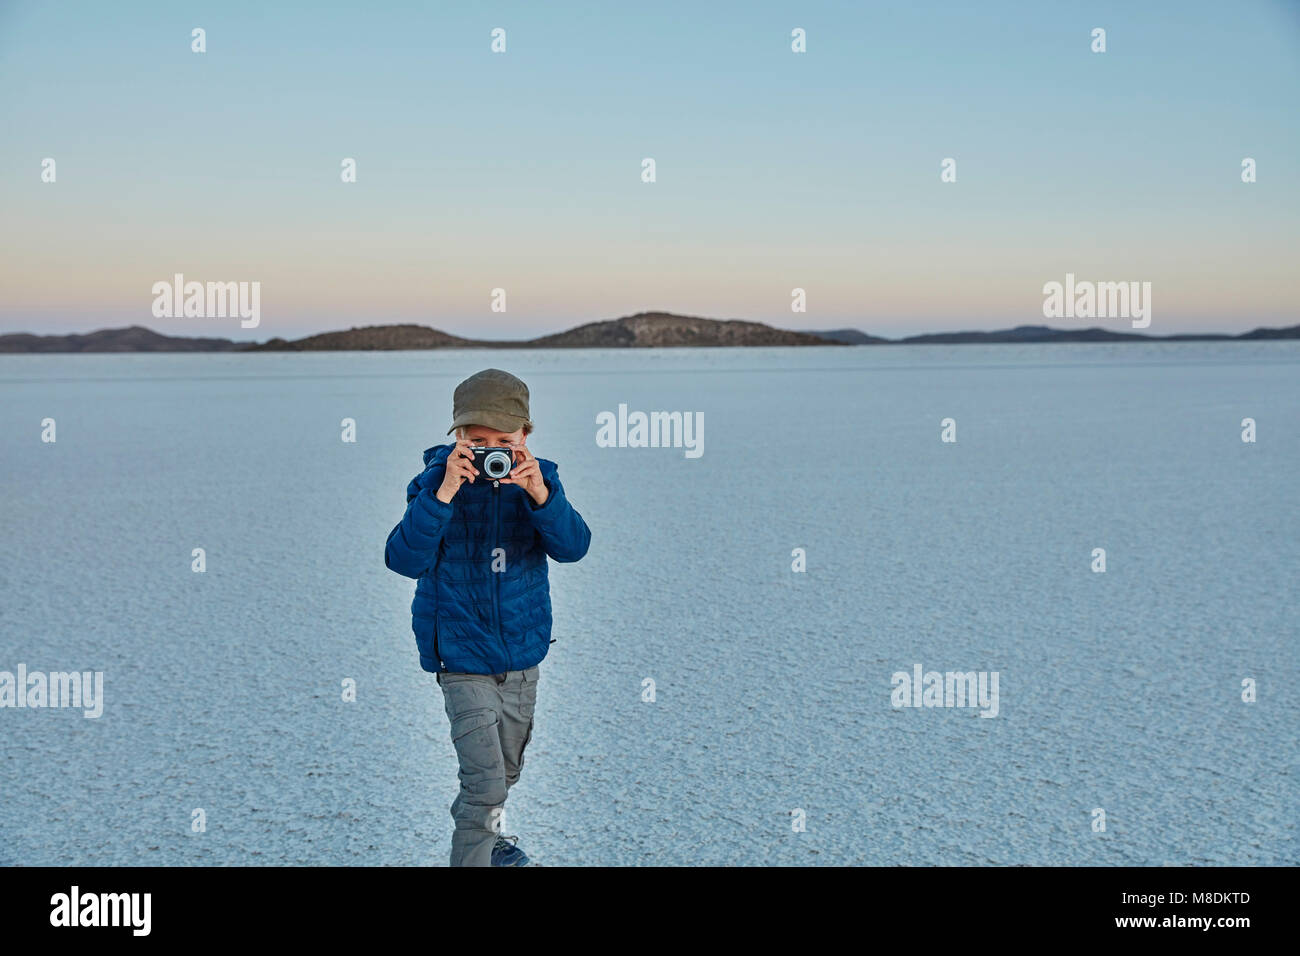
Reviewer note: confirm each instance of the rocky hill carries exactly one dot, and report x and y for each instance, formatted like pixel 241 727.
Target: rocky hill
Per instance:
pixel 134 338
pixel 665 330
pixel 851 337
pixel 370 338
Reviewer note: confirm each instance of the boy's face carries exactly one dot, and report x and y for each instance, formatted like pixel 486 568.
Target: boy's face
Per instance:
pixel 481 435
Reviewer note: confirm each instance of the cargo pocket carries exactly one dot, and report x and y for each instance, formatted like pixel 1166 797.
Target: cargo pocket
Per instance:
pixel 467 703
pixel 472 720
pixel 528 694
pixel 474 734
pixel 528 701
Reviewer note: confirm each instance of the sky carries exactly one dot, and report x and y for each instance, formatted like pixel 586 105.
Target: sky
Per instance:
pixel 522 170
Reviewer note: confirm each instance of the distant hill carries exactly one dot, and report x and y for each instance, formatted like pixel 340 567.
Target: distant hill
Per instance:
pixel 851 337
pixel 371 338
pixel 1027 333
pixel 1043 334
pixel 1290 332
pixel 135 338
pixel 665 330
pixel 643 330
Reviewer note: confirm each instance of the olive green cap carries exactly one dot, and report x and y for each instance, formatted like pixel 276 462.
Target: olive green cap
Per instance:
pixel 491 398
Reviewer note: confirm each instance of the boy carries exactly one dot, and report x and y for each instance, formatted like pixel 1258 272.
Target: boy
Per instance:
pixel 482 609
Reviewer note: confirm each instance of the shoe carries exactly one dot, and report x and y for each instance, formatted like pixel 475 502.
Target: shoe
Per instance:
pixel 506 853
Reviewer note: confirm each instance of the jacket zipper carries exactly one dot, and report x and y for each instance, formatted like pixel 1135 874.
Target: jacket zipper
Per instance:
pixel 436 653
pixel 496 575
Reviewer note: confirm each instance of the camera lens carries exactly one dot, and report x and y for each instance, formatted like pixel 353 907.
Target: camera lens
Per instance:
pixel 496 464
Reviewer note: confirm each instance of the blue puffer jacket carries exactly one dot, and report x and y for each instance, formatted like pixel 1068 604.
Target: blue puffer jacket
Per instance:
pixel 467 617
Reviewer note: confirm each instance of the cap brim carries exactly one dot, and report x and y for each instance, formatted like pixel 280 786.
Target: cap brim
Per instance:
pixel 494 420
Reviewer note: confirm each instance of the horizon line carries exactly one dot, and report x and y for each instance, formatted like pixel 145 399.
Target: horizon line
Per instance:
pixel 249 344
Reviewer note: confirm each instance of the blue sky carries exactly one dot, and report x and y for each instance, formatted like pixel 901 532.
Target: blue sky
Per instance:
pixel 521 170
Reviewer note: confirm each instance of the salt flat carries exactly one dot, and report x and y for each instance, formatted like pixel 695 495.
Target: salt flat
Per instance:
pixel 222 690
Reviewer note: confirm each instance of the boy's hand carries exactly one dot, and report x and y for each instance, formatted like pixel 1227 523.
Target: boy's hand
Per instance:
pixel 527 474
pixel 460 468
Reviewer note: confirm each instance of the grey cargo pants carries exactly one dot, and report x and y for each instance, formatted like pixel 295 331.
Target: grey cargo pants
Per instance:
pixel 491 719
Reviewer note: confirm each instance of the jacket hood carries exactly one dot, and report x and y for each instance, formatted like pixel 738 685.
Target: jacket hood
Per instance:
pixel 437 455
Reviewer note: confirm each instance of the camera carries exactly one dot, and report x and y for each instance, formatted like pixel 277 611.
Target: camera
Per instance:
pixel 493 462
